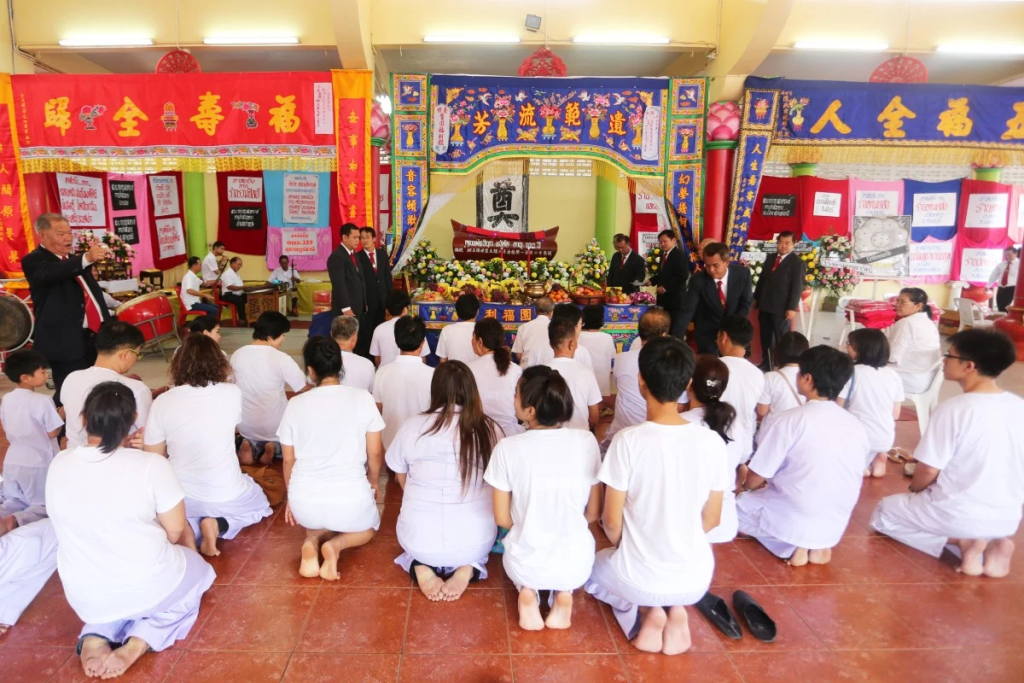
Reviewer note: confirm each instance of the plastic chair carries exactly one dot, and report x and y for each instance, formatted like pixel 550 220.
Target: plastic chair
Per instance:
pixel 926 402
pixel 222 304
pixel 183 314
pixel 850 324
pixel 971 314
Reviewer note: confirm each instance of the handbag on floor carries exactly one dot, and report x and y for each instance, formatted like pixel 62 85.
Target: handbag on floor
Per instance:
pixel 271 481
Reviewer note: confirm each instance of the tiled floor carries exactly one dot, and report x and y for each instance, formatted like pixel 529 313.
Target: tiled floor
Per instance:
pixel 879 612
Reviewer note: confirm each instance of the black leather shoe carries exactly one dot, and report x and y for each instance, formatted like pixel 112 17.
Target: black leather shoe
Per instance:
pixel 717 612
pixel 758 621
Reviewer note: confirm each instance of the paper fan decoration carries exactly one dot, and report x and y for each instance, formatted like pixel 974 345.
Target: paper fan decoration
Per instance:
pixel 543 62
pixel 900 70
pixel 178 62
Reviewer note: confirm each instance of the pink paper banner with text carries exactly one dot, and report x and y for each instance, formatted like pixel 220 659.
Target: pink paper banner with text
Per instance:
pixel 301 242
pixel 872 198
pixel 129 223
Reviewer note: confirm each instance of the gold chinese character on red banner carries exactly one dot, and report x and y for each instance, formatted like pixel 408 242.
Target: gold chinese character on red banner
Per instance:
pixel 7 211
pixel 352 187
pixel 6 189
pixel 128 112
pixel 209 113
pixel 283 118
pixel 56 115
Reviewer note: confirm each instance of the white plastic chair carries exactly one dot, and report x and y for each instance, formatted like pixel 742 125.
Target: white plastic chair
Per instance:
pixel 971 314
pixel 926 402
pixel 850 324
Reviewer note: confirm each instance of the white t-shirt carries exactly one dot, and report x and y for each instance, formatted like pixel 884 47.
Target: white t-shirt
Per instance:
pixel 282 275
pixel 230 279
pixel 76 389
pixel 28 418
pixel 914 343
pixel 210 267
pixel 359 371
pixel 630 406
pixel 543 355
pixel 263 373
pixel 582 385
pixel 601 348
pixel 198 426
pixel 814 456
pixel 668 472
pixel 974 440
pixel 456 342
pixel 497 393
pixel 190 281
pixel 528 337
pixel 383 343
pixel 781 394
pixel 329 462
pixel 403 390
pixel 550 473
pixel 113 556
pixel 876 392
pixel 746 384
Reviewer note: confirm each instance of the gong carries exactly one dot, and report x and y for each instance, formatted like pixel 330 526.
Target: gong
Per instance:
pixel 16 322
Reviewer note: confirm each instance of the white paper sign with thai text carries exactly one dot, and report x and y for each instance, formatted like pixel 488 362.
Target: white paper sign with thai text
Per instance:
pixel 301 197
pixel 170 237
pixel 976 265
pixel 934 209
pixel 877 203
pixel 245 189
pixel 82 200
pixel 931 259
pixel 827 204
pixel 165 195
pixel 987 211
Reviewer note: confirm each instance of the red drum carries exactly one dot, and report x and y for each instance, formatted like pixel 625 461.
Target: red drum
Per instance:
pixel 151 313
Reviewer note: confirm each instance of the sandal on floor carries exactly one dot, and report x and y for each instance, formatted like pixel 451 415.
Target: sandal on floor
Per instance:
pixel 758 621
pixel 899 455
pixel 909 469
pixel 717 612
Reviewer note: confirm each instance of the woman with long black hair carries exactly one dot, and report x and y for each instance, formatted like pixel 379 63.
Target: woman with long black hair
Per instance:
pixel 496 375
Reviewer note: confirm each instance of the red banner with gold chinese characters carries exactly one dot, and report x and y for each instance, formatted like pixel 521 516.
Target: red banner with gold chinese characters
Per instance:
pixel 353 96
pixel 16 238
pixel 190 122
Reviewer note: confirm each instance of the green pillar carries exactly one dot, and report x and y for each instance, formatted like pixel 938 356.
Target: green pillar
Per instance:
pixel 992 173
pixel 604 213
pixel 195 213
pixel 798 170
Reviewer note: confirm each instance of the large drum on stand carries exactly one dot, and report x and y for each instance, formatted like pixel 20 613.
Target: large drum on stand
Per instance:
pixel 16 324
pixel 152 314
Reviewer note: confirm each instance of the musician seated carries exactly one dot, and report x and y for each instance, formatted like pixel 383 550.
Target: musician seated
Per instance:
pixel 232 289
pixel 213 263
pixel 192 297
pixel 287 274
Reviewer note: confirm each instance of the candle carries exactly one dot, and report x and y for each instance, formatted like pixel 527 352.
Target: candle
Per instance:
pixel 527 262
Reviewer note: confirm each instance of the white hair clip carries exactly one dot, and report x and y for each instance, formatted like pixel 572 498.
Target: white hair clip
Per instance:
pixel 712 382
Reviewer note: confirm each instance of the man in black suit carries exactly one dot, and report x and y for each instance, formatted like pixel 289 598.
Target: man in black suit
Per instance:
pixel 374 263
pixel 626 267
pixel 777 295
pixel 348 291
pixel 671 277
pixel 721 289
pixel 67 302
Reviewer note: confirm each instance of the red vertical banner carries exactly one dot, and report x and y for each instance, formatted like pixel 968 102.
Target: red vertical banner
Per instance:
pixel 16 238
pixel 353 97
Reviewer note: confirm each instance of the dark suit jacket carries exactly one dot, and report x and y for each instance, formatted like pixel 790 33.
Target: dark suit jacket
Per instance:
pixel 703 306
pixel 780 291
pixel 59 303
pixel 673 276
pixel 347 287
pixel 634 270
pixel 378 284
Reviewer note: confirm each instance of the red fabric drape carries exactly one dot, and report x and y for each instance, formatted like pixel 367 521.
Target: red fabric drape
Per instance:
pixel 766 227
pixel 335 215
pixel 240 241
pixel 171 261
pixel 639 222
pixel 816 227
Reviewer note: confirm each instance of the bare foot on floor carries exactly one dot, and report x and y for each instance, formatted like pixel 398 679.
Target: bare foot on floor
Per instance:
pixel 94 652
pixel 268 454
pixel 529 611
pixel 121 659
pixel 208 525
pixel 877 467
pixel 430 583
pixel 329 569
pixel 245 455
pixel 972 554
pixel 676 637
pixel 561 612
pixel 3 629
pixel 456 585
pixel 652 630
pixel 798 559
pixel 823 556
pixel 997 558
pixel 310 565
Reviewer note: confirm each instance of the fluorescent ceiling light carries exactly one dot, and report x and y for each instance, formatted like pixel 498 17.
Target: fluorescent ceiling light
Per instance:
pixel 981 49
pixel 620 39
pixel 252 40
pixel 470 38
pixel 841 45
pixel 106 41
pixel 385 103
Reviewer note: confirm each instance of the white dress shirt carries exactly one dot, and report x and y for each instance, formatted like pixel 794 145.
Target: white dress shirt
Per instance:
pixel 230 279
pixel 996 278
pixel 282 275
pixel 725 285
pixel 210 268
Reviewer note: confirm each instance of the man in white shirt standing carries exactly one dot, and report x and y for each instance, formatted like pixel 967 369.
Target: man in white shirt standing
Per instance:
pixel 456 340
pixel 383 348
pixel 212 264
pixel 192 297
pixel 968 487
pixel 402 388
pixel 534 333
pixel 232 289
pixel 1005 276
pixel 356 370
pixel 286 273
pixel 586 395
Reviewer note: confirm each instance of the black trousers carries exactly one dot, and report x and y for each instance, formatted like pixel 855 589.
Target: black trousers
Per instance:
pixel 365 336
pixel 676 328
pixel 773 326
pixel 238 301
pixel 1004 297
pixel 60 369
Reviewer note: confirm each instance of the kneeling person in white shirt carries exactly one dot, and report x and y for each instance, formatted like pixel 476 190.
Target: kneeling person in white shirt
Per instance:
pixel 586 395
pixel 533 334
pixel 383 346
pixel 805 478
pixel 456 340
pixel 599 345
pixel 570 313
pixel 402 388
pixel 356 371
pixel 968 487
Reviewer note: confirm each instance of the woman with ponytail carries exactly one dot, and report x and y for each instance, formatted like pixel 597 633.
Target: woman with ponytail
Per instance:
pixel 710 378
pixel 496 375
pixel 914 345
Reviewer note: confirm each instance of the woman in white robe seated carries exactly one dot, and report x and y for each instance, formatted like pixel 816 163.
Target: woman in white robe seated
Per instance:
pixel 496 375
pixel 119 514
pixel 193 424
pixel 804 481
pixel 914 344
pixel 446 525
pixel 28 558
pixel 968 487
pixel 331 439
pixel 665 479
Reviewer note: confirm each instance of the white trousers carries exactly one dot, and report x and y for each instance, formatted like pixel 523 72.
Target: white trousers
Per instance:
pixel 28 558
pixel 24 493
pixel 247 509
pixel 748 523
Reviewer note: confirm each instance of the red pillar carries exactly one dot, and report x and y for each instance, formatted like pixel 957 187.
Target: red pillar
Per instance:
pixel 1013 323
pixel 721 155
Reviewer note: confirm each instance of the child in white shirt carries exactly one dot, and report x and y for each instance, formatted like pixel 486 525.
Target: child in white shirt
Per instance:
pixel 546 492
pixel 665 481
pixel 383 347
pixel 586 395
pixel 31 424
pixel 746 384
pixel 456 340
pixel 601 346
pixel 402 388
pixel 873 394
pixel 968 487
pixel 805 479
pixel 780 394
pixel 356 371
